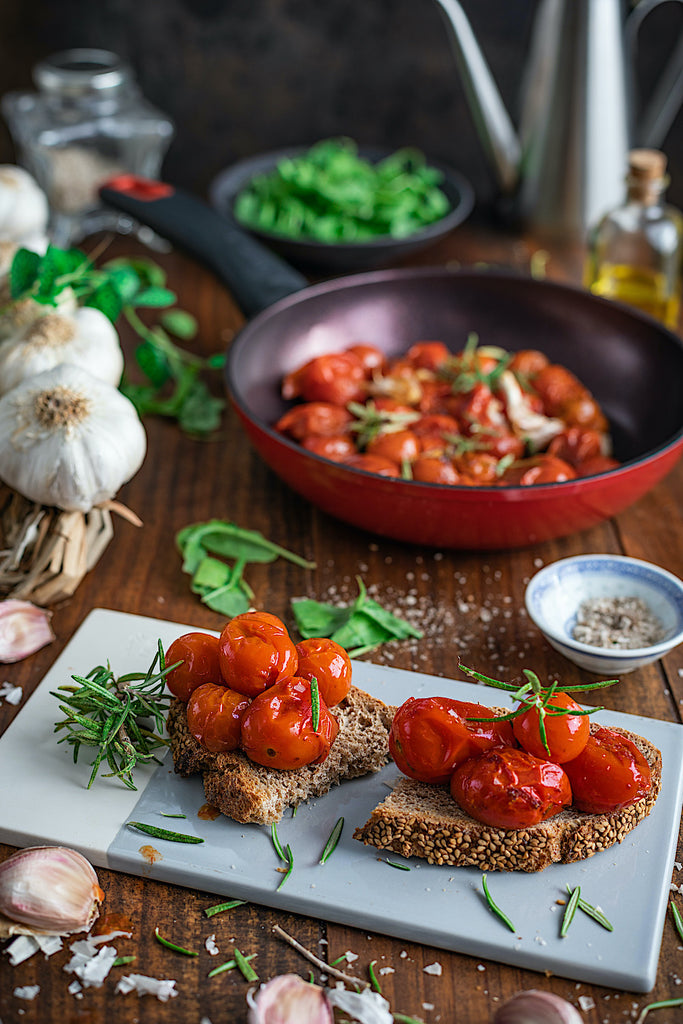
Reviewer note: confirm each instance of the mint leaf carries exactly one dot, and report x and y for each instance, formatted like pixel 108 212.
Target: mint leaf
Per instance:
pixel 180 323
pixel 23 272
pixel 152 362
pixel 154 297
pixel 200 411
pixel 107 299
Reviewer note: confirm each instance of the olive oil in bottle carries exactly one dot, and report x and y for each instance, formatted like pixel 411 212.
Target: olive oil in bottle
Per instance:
pixel 635 251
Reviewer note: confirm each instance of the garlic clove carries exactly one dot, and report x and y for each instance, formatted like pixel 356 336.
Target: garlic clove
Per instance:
pixel 537 1007
pixel 288 999
pixel 51 889
pixel 24 629
pixel 23 204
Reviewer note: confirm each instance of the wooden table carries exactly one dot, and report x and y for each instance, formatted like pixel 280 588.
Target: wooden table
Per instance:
pixel 184 481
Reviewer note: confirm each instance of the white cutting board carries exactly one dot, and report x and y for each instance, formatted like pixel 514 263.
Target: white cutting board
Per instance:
pixel 43 800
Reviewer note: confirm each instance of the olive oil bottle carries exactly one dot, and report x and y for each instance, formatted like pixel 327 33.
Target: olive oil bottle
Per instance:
pixel 635 251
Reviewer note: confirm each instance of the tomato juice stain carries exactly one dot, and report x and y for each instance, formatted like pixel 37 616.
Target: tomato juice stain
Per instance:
pixel 207 812
pixel 150 854
pixel 108 923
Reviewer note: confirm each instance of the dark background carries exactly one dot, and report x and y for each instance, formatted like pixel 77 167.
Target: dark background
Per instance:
pixel 242 76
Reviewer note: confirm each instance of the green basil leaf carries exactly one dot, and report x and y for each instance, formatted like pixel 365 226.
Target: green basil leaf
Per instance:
pixel 154 297
pixel 315 619
pixel 210 574
pixel 107 299
pixel 153 363
pixel 180 323
pixel 23 272
pixel 200 411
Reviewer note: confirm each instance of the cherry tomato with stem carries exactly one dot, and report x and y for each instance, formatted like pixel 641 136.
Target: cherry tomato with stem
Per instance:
pixel 509 788
pixel 565 734
pixel 255 652
pixel 277 729
pixel 314 419
pixel 326 661
pixel 608 774
pixel 198 653
pixel 214 716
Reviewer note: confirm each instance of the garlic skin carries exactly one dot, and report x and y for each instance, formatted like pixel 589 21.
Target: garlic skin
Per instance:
pixel 536 1007
pixel 24 629
pixel 19 314
pixel 51 889
pixel 68 439
pixel 288 999
pixel 24 208
pixel 85 338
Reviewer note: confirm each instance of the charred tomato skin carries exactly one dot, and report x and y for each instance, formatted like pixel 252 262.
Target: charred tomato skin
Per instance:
pixel 511 789
pixel 277 729
pixel 430 736
pixel 608 774
pixel 255 652
pixel 198 653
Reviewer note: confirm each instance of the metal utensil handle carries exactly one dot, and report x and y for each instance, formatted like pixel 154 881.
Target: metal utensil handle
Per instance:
pixel 667 95
pixel 255 276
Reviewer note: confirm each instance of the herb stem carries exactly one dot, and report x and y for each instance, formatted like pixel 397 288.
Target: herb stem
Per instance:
pixel 570 911
pixel 325 967
pixel 494 906
pixel 163 833
pixel 244 966
pixel 331 844
pixel 219 908
pixel 172 945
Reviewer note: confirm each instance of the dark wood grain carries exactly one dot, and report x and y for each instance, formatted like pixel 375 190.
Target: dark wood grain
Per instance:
pixel 469 605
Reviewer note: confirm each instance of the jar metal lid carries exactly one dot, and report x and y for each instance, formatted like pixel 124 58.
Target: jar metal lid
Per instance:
pixel 79 71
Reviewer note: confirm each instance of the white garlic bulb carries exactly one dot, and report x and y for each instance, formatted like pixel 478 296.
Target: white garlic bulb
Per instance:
pixel 23 205
pixel 50 888
pixel 68 439
pixel 85 338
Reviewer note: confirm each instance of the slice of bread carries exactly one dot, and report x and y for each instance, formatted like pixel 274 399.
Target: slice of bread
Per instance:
pixel 248 792
pixel 421 820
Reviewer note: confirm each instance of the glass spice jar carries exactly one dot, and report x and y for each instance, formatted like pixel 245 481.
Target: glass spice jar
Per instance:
pixel 87 122
pixel 635 251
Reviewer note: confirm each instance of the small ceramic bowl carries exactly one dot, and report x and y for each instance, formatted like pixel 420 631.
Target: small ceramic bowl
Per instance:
pixel 554 595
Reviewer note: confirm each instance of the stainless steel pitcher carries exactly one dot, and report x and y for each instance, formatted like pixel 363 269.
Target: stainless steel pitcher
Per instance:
pixel 567 165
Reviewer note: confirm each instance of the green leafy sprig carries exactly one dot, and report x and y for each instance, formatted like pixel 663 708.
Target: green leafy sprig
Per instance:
pixel 533 695
pixel 371 422
pixel 112 715
pixel 358 628
pixel 219 584
pixel 173 387
pixel 463 371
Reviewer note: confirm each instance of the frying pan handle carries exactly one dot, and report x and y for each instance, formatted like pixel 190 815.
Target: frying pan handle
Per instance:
pixel 255 275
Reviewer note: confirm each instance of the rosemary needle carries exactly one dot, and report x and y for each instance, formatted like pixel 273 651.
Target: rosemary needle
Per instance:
pixel 663 1005
pixel 315 704
pixel 678 920
pixel 594 912
pixel 494 906
pixel 172 945
pixel 289 858
pixel 331 844
pixel 373 977
pixel 245 967
pixel 229 965
pixel 220 907
pixel 276 843
pixel 570 910
pixel 163 833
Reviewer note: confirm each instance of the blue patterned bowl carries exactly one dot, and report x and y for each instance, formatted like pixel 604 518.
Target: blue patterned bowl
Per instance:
pixel 554 595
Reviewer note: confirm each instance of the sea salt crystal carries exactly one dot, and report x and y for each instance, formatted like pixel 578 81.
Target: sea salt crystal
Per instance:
pixel 163 988
pixel 21 948
pixel 367 1007
pixel 10 694
pixel 350 957
pixel 428 1006
pixel 90 965
pixel 586 1003
pixel 387 970
pixel 434 968
pixel 210 945
pixel 27 991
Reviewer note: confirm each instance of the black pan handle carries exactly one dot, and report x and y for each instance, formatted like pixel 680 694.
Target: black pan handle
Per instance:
pixel 255 275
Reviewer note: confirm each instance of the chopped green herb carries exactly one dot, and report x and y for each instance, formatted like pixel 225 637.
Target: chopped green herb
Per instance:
pixel 663 1005
pixel 570 910
pixel 276 843
pixel 315 704
pixel 331 844
pixel 290 865
pixel 494 906
pixel 362 625
pixel 373 977
pixel 219 908
pixel 163 833
pixel 229 965
pixel 401 1018
pixel 593 912
pixel 395 864
pixel 245 967
pixel 172 945
pixel 333 963
pixel 122 961
pixel 166 814
pixel 678 920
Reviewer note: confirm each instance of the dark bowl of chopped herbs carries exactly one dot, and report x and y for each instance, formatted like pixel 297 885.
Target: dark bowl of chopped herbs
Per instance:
pixel 337 207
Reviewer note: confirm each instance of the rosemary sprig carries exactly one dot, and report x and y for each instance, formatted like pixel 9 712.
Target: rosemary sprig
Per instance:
pixel 111 714
pixel 494 906
pixel 219 908
pixel 331 844
pixel 172 945
pixel 570 910
pixel 122 961
pixel 163 833
pixel 370 421
pixel 167 814
pixel 276 843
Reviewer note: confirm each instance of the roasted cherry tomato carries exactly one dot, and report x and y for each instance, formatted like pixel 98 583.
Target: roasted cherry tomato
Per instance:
pixel 598 464
pixel 509 788
pixel 329 663
pixel 566 735
pixel 557 386
pixel 277 729
pixel 314 419
pixel 539 469
pixel 527 362
pixel 480 467
pixel 336 377
pixel 575 445
pixel 199 655
pixel 256 652
pixel 214 716
pixel 398 446
pixel 370 356
pixel 430 736
pixel 338 447
pixel 429 355
pixel 609 773
pixel 373 464
pixel 585 412
pixel 434 469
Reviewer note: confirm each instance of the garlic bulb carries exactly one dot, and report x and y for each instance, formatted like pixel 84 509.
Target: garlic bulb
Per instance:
pixel 24 629
pixel 23 204
pixel 288 999
pixel 50 888
pixel 86 338
pixel 536 1007
pixel 68 439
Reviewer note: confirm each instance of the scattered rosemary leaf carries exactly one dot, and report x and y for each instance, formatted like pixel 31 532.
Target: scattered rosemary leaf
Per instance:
pixel 402 1018
pixel 494 906
pixel 333 963
pixel 373 977
pixel 163 833
pixel 245 967
pixel 166 814
pixel 229 965
pixel 121 961
pixel 663 1005
pixel 315 704
pixel 276 843
pixel 570 910
pixel 593 912
pixel 219 908
pixel 331 843
pixel 172 945
pixel 678 919
pixel 290 865
pixel 395 864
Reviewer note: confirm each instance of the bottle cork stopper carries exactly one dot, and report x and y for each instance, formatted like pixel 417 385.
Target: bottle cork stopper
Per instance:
pixel 646 164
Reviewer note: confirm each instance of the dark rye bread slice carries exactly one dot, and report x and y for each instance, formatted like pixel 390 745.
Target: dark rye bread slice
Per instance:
pixel 420 820
pixel 248 792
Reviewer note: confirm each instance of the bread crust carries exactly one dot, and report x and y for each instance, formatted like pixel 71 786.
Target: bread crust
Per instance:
pixel 249 792
pixel 421 820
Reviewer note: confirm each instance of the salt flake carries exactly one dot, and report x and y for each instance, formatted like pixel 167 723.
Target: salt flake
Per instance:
pixel 434 968
pixel 90 965
pixel 366 1007
pixel 21 948
pixel 27 991
pixel 163 988
pixel 586 1003
pixel 10 694
pixel 210 945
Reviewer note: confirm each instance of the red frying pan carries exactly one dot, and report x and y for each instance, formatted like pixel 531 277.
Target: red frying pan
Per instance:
pixel 632 364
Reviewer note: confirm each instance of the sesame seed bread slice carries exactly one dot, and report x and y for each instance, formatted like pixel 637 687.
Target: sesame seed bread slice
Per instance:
pixel 248 792
pixel 421 820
